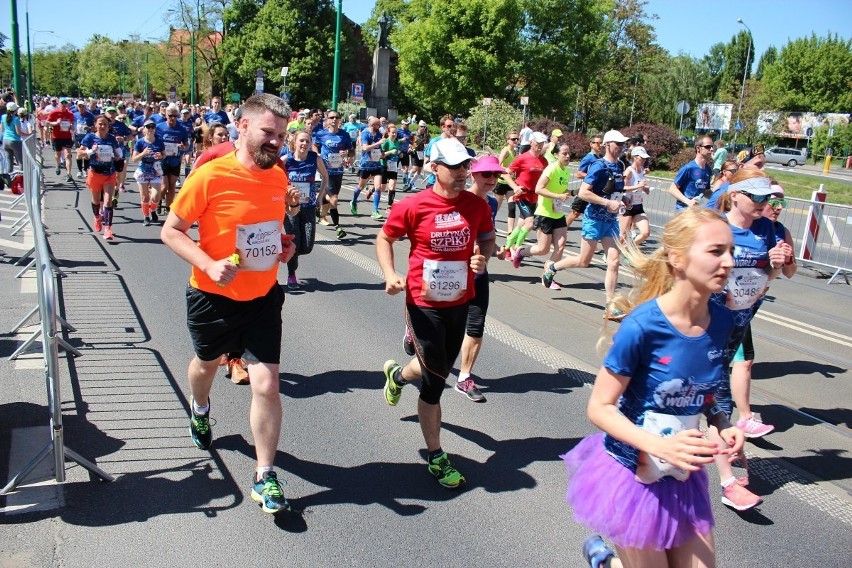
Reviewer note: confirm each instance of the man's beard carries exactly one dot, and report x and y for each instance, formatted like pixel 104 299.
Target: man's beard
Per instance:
pixel 264 160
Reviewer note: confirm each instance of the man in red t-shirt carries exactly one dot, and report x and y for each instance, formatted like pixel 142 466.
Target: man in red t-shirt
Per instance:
pixel 62 122
pixel 452 236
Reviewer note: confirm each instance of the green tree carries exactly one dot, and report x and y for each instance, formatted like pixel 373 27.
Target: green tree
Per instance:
pixel 739 58
pixel 812 74
pixel 502 117
pixel 558 53
pixel 768 58
pixel 55 71
pixel 454 52
pixel 98 66
pixel 295 33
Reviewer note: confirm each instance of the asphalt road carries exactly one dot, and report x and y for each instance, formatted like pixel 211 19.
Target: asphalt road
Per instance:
pixel 354 465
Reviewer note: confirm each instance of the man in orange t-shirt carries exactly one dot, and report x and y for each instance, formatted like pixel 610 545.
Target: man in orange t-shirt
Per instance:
pixel 233 299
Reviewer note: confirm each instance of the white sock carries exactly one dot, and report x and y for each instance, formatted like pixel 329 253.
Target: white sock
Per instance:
pixel 262 470
pixel 729 482
pixel 200 409
pixel 463 377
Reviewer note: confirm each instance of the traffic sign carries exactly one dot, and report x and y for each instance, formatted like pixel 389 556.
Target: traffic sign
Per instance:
pixel 486 101
pixel 809 132
pixel 525 101
pixel 357 93
pixel 172 94
pixel 738 125
pixel 682 107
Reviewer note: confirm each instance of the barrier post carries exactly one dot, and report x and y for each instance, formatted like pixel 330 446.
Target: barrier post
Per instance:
pixel 813 224
pixel 47 301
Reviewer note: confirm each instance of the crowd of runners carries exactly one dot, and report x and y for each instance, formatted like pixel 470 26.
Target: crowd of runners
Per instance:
pixel 259 178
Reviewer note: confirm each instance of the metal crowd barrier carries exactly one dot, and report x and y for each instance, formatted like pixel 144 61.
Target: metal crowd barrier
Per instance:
pixel 826 228
pixel 47 308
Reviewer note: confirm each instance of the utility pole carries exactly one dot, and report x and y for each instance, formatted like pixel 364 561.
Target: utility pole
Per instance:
pixel 335 84
pixel 16 52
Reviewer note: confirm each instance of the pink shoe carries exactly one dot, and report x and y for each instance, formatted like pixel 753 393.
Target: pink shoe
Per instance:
pixel 517 257
pixel 753 427
pixel 738 497
pixel 98 224
pixel 108 233
pixel 554 286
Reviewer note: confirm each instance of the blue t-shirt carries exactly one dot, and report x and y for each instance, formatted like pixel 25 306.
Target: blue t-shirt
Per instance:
pixel 330 144
pixel 138 122
pixel 692 180
pixel 172 137
pixel 146 165
pixel 404 138
pixel 84 122
pixel 367 163
pixel 188 126
pixel 10 132
pixel 220 116
pixel 302 174
pixel 598 177
pixel 352 129
pixel 714 199
pixel 670 373
pixel 587 161
pixel 118 128
pixel 102 161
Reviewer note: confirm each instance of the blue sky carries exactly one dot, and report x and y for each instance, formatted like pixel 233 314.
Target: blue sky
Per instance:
pixel 683 25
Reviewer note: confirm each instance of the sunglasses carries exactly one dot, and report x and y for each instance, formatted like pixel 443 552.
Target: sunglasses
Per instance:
pixel 465 165
pixel 617 143
pixel 150 126
pixel 756 198
pixel 172 115
pixel 706 146
pixel 334 118
pixel 447 125
pixel 488 175
pixel 775 202
pixel 515 139
pixel 730 171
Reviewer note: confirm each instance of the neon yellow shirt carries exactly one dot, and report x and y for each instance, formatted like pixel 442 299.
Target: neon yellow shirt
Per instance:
pixel 557 182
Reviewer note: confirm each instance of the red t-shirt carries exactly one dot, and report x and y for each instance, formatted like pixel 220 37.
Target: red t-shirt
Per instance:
pixel 65 129
pixel 442 234
pixel 527 169
pixel 213 152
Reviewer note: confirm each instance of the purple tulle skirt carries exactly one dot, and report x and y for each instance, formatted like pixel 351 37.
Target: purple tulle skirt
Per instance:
pixel 609 501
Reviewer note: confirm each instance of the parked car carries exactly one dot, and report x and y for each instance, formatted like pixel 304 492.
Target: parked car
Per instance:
pixel 786 156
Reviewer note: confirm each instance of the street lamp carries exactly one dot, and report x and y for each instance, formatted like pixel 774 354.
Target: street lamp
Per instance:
pixel 742 89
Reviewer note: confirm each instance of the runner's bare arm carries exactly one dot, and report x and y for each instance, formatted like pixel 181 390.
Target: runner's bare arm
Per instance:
pixel 173 235
pixel 394 283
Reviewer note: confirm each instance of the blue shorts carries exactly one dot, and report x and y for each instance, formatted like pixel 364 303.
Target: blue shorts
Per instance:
pixel 595 230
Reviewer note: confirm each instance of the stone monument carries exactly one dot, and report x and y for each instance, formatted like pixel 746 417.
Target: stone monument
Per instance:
pixel 381 70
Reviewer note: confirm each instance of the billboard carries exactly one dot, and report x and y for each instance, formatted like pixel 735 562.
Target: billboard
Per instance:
pixel 713 116
pixel 796 124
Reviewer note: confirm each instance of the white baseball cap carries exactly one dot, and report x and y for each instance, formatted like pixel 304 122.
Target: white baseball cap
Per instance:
pixel 421 123
pixel 614 136
pixel 539 137
pixel 449 151
pixel 639 151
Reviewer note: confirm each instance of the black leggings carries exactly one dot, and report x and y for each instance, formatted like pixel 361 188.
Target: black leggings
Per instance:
pixel 438 334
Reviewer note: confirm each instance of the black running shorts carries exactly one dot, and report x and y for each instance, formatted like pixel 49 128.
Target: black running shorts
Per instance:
pixel 438 334
pixel 218 324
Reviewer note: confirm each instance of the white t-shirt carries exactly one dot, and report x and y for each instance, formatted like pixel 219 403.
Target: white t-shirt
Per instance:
pixel 526 133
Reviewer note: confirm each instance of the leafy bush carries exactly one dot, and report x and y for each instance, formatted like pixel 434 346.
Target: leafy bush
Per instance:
pixel 661 142
pixel 677 161
pixel 502 117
